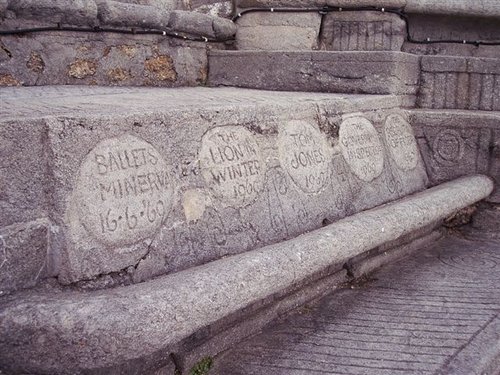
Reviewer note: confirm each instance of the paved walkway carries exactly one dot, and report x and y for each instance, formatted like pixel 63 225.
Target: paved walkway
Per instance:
pixel 436 312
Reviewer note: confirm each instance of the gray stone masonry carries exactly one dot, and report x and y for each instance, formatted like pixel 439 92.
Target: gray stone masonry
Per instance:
pixel 480 8
pixel 457 143
pixel 460 82
pixel 221 8
pixel 101 59
pixel 72 332
pixel 340 31
pixel 138 183
pixel 448 27
pixel 349 72
pixel 105 58
pixel 278 31
pixel 362 31
pixel 112 13
pixel 23 255
pixel 375 30
pixel 433 313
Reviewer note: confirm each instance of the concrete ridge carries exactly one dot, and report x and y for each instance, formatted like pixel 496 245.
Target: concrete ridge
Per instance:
pixel 319 71
pixel 66 100
pixel 74 333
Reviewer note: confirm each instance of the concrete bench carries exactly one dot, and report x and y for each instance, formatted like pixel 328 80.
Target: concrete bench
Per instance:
pixel 219 255
pixel 137 325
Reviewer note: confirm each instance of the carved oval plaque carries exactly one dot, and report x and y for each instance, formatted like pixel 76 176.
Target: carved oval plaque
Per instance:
pixel 124 190
pixel 305 155
pixel 401 142
pixel 231 165
pixel 361 148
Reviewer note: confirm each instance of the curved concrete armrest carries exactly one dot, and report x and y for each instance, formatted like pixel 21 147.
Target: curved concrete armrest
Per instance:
pixel 73 331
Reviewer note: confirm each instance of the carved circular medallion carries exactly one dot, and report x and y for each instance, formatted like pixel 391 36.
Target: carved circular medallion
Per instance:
pixel 448 147
pixel 123 191
pixel 361 148
pixel 401 142
pixel 231 165
pixel 305 155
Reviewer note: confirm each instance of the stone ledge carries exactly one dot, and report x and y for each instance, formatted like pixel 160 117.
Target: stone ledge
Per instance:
pixel 440 64
pixel 480 8
pixel 112 13
pixel 323 71
pixel 101 330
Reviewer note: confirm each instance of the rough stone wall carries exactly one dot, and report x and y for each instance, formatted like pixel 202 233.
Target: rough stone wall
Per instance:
pixel 107 58
pixel 92 59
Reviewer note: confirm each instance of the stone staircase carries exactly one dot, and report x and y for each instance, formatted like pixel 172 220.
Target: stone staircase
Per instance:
pixel 143 229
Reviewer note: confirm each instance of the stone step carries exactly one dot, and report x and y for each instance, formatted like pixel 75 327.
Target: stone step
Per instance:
pixel 321 71
pixel 136 327
pixel 111 186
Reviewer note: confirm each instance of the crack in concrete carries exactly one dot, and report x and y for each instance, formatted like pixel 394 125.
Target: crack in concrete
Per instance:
pixel 465 345
pixel 4 248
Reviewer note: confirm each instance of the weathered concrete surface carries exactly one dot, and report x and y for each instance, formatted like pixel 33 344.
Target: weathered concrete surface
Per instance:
pixel 140 184
pixel 433 313
pixel 78 12
pixel 362 31
pixel 340 31
pixel 74 332
pixel 116 13
pixel 23 255
pixel 24 182
pixel 318 3
pixel 460 83
pixel 221 8
pixel 278 31
pixel 457 143
pixel 487 219
pixel 347 72
pixel 233 330
pixel 480 8
pixel 105 13
pixel 447 27
pixel 202 24
pixel 164 5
